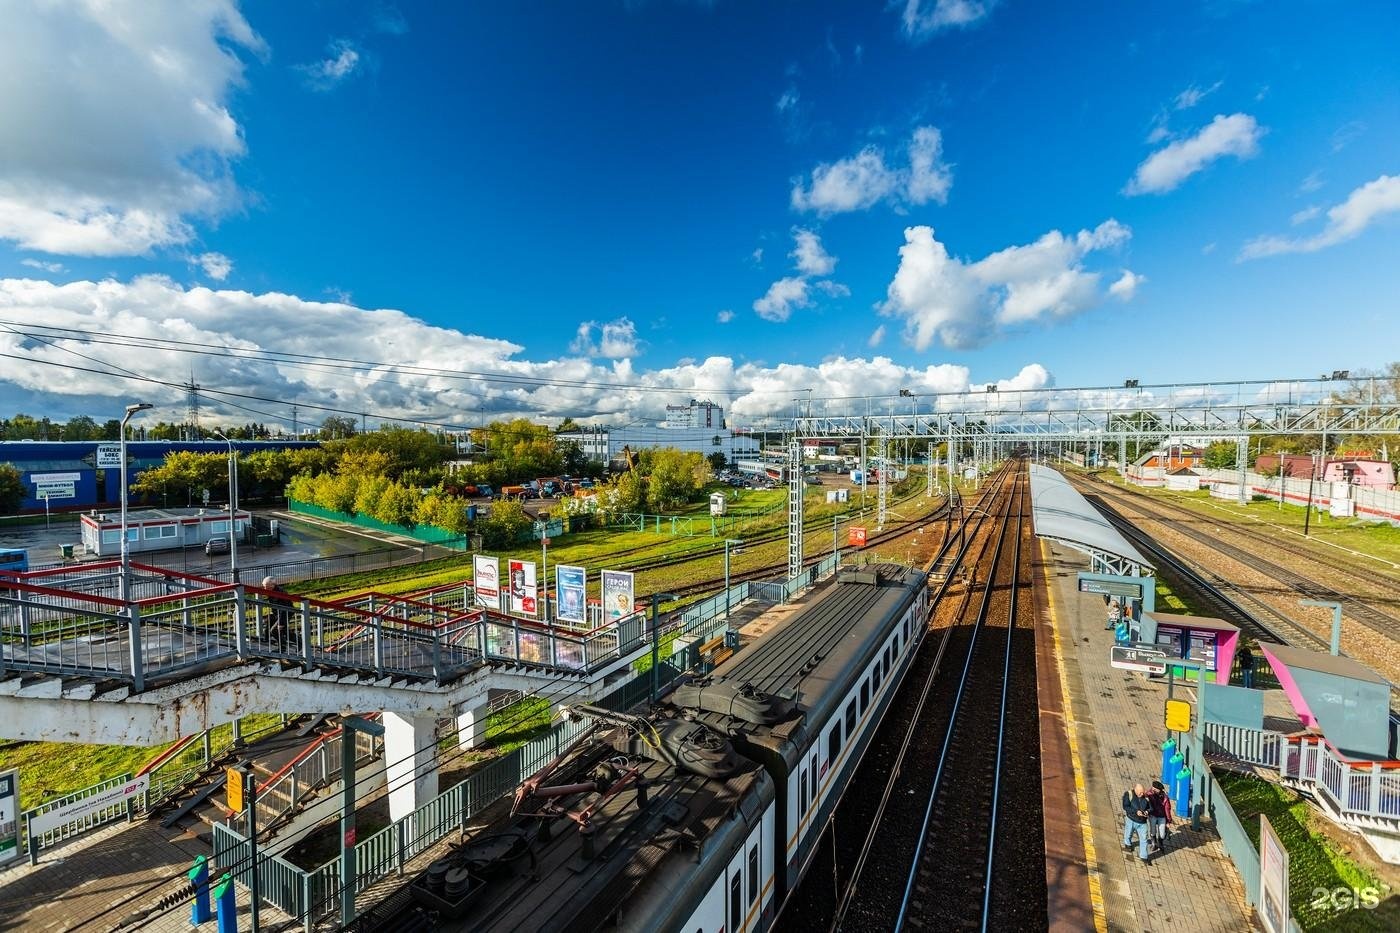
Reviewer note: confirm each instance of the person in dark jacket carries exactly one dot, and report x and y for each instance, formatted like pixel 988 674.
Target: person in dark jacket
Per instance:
pixel 1161 806
pixel 1246 667
pixel 1137 818
pixel 279 630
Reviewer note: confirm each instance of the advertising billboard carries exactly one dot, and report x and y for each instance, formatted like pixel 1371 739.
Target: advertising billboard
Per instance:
pixel 486 581
pixel 524 593
pixel 572 585
pixel 618 595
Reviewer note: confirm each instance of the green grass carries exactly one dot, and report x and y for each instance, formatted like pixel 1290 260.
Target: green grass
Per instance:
pixel 52 769
pixel 1313 861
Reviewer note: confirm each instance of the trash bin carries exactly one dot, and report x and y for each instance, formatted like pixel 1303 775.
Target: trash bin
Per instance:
pixel 67 550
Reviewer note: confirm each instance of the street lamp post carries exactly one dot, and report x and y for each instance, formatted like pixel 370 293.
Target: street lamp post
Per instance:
pixel 656 599
pixel 232 507
pixel 727 542
pixel 125 557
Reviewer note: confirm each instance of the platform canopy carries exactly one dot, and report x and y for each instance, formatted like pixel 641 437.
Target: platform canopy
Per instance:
pixel 1061 514
pixel 1344 698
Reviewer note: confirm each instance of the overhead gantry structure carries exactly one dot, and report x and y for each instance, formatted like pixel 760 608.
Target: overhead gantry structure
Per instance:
pixel 992 422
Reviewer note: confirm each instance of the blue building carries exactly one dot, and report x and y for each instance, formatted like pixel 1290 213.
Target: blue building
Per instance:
pixel 75 476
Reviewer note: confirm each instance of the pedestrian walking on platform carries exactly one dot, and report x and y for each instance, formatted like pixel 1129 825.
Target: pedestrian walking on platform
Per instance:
pixel 1123 632
pixel 1115 612
pixel 1137 818
pixel 1160 803
pixel 279 630
pixel 1247 667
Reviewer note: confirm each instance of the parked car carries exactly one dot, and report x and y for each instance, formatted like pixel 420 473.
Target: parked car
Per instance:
pixel 484 490
pixel 217 545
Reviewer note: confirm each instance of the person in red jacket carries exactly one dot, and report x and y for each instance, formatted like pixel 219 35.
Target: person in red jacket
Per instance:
pixel 1160 804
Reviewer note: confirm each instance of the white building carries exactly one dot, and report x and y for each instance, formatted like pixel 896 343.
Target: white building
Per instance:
pixel 606 444
pixel 158 529
pixel 694 414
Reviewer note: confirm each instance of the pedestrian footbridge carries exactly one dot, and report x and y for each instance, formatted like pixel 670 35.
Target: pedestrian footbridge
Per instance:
pixel 181 653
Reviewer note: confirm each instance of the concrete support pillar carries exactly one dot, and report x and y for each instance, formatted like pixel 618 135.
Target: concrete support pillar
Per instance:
pixel 410 748
pixel 471 726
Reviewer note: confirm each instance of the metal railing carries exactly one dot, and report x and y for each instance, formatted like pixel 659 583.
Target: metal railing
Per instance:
pixel 1357 789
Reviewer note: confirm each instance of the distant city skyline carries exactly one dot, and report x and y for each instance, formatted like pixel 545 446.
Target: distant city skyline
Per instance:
pixel 604 209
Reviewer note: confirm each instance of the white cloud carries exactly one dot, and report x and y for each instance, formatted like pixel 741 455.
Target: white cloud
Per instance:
pixel 1311 183
pixel 940 297
pixel 788 100
pixel 1237 135
pixel 118 134
pixel 1127 285
pixel 1208 249
pixel 757 255
pixel 832 289
pixel 343 61
pixel 1305 215
pixel 865 179
pixel 877 337
pixel 811 258
pixel 617 340
pixel 41 265
pixel 1193 95
pixel 1347 134
pixel 150 309
pixel 782 297
pixel 1345 221
pixel 215 265
pixel 725 316
pixel 923 18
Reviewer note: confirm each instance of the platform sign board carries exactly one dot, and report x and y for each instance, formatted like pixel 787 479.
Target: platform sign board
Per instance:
pixel 1144 658
pixel 619 595
pixel 109 456
pixel 1177 716
pixel 855 536
pixel 524 590
pixel 9 816
pixel 572 583
pixel 88 806
pixel 1110 588
pixel 486 581
pixel 1273 879
pixel 233 786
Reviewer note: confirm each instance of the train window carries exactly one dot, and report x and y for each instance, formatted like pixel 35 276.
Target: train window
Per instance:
pixel 813 772
pixel 888 652
pixel 753 874
pixel 851 718
pixel 806 793
pixel 736 901
pixel 864 694
pixel 833 743
pixel 896 643
pixel 877 676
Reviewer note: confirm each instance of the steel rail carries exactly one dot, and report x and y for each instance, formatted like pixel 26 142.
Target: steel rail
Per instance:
pixel 952 729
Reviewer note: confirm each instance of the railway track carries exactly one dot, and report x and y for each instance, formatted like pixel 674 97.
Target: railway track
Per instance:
pixel 1354 607
pixel 867 863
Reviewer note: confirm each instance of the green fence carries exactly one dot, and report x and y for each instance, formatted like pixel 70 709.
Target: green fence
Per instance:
pixel 426 533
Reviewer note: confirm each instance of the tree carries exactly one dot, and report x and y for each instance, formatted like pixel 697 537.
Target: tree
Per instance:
pixel 718 461
pixel 186 471
pixel 505 523
pixel 11 489
pixel 81 428
pixel 1220 455
pixel 676 477
pixel 567 425
pixel 572 457
pixel 337 426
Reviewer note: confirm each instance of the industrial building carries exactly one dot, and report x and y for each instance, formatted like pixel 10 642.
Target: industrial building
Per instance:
pixel 606 444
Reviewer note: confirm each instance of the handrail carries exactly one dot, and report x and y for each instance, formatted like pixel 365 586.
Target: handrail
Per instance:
pixel 304 753
pixel 175 597
pixel 169 753
pixel 22 587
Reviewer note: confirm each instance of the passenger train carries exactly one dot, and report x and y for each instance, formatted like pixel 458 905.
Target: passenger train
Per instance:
pixel 705 815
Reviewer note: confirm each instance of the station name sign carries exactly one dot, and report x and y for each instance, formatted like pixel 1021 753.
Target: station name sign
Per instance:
pixel 1111 588
pixel 1148 659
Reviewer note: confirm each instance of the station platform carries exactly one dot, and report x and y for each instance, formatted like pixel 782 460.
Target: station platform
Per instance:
pixel 1112 722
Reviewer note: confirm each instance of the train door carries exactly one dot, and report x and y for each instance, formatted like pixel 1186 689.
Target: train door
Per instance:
pixel 735 907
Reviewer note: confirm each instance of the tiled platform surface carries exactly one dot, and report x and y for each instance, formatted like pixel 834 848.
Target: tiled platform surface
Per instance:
pixel 1118 718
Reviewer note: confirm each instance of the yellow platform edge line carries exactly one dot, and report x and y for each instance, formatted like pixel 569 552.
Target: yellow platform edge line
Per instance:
pixel 1072 735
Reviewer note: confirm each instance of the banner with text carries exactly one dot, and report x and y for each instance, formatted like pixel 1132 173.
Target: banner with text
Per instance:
pixel 618 595
pixel 572 584
pixel 486 581
pixel 524 592
pixel 88 806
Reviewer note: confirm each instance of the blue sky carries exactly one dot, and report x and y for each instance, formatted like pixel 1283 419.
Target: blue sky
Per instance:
pixel 732 199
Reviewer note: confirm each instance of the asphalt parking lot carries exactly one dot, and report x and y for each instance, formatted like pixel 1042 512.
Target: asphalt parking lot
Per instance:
pixel 301 541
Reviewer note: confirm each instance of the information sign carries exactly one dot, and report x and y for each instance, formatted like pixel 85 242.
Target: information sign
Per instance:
pixel 1145 658
pixel 233 785
pixel 1111 588
pixel 855 536
pixel 9 816
pixel 109 456
pixel 50 489
pixel 1177 716
pixel 1273 879
pixel 87 806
